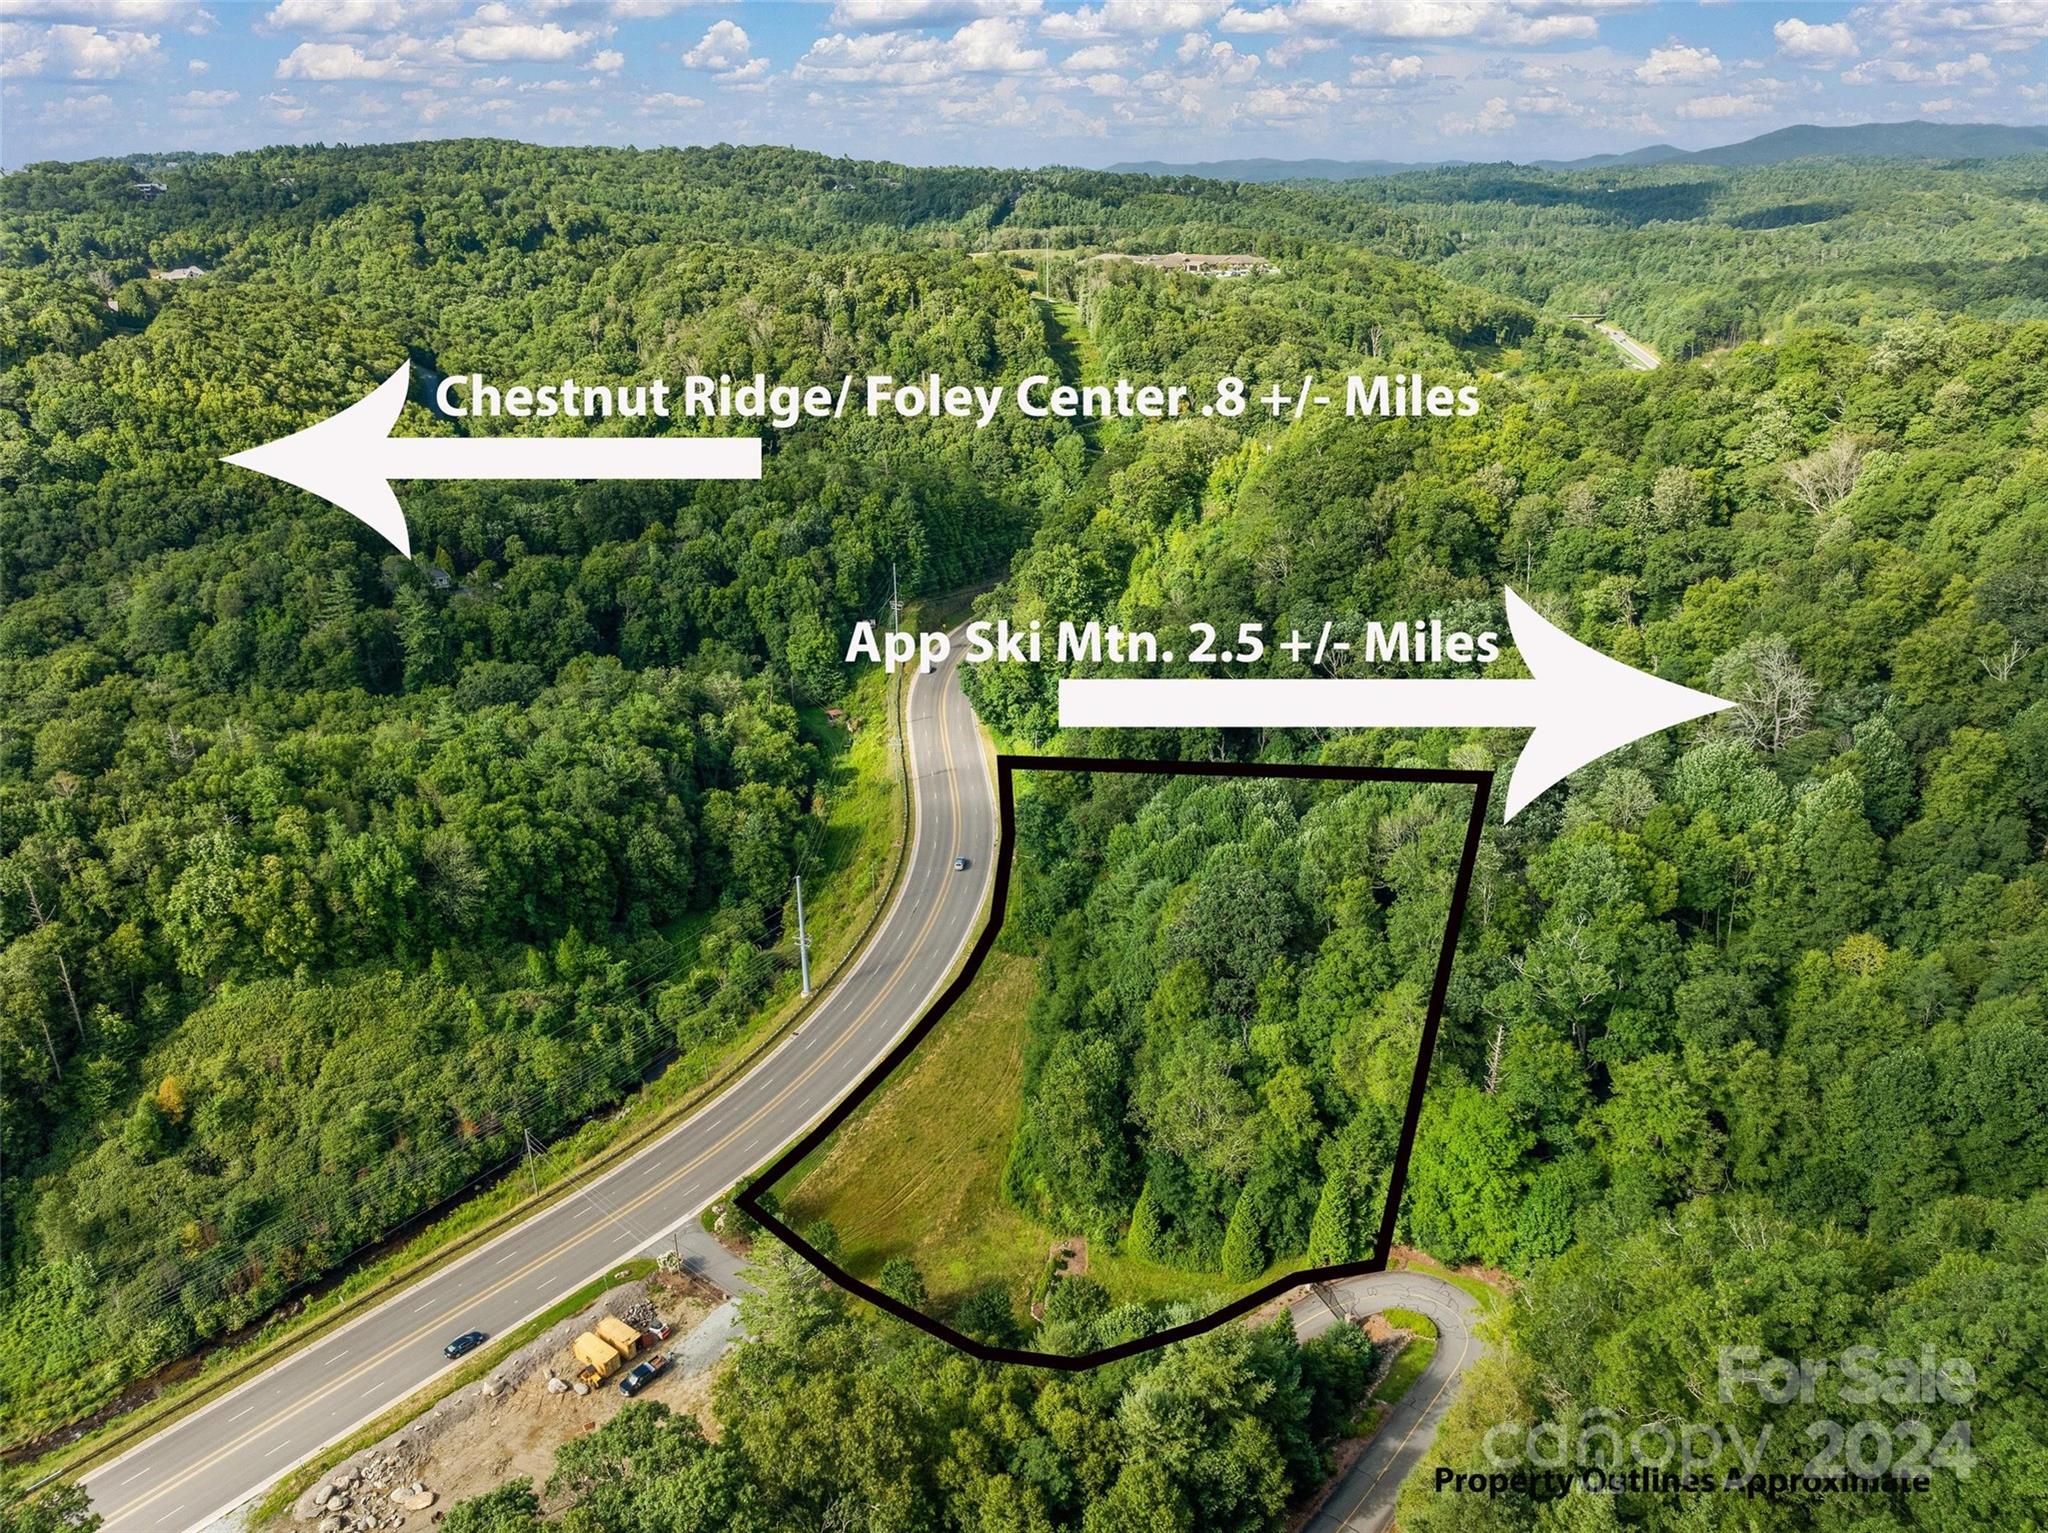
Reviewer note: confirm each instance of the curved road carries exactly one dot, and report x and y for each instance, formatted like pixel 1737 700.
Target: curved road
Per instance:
pixel 205 1464
pixel 1363 1501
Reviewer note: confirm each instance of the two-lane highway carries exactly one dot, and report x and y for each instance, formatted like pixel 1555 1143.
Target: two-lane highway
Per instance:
pixel 205 1464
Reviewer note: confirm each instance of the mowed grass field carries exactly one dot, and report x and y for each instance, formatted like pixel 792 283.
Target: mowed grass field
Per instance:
pixel 918 1171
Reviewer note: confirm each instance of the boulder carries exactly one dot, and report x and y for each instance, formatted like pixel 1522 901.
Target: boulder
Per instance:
pixel 330 1525
pixel 415 1500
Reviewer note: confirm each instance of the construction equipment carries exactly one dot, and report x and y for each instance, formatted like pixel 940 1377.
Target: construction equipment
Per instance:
pixel 605 1348
pixel 625 1339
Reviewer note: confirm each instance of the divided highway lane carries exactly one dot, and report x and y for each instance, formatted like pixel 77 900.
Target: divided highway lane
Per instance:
pixel 205 1464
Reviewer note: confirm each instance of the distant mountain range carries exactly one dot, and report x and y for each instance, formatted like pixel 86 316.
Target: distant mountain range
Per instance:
pixel 1897 140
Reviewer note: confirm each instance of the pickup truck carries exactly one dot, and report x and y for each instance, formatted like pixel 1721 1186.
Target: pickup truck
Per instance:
pixel 644 1375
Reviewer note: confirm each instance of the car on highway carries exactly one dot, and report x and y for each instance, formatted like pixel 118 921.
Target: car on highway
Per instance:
pixel 468 1341
pixel 644 1375
pixel 959 864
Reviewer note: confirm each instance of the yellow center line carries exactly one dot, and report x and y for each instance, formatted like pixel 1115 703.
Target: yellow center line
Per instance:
pixel 470 1301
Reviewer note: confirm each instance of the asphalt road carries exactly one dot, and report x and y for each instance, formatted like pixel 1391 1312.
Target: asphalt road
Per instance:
pixel 1634 351
pixel 1363 1501
pixel 206 1464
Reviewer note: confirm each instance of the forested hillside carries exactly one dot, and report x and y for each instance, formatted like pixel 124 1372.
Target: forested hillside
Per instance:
pixel 1772 981
pixel 326 876
pixel 1694 257
pixel 327 872
pixel 1231 1003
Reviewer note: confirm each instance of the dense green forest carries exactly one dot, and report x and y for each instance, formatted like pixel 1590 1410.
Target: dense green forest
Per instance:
pixel 1691 258
pixel 1229 1010
pixel 323 874
pixel 326 876
pixel 1780 971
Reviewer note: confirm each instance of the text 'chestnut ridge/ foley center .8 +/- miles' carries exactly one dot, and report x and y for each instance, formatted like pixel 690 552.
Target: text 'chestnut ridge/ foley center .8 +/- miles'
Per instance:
pixel 880 396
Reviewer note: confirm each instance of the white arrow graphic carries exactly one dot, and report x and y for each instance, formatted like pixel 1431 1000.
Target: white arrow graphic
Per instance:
pixel 1580 703
pixel 352 457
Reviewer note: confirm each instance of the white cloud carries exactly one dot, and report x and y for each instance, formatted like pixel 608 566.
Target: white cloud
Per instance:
pixel 196 66
pixel 725 46
pixel 889 15
pixel 995 45
pixel 507 40
pixel 608 61
pixel 285 106
pixel 1549 102
pixel 131 13
pixel 207 98
pixel 1387 70
pixel 331 16
pixel 1100 56
pixel 338 61
pixel 1300 45
pixel 1505 21
pixel 644 10
pixel 1997 24
pixel 71 108
pixel 1218 63
pixel 75 52
pixel 1706 108
pixel 1493 117
pixel 1133 18
pixel 1815 43
pixel 669 101
pixel 1678 64
pixel 1905 72
pixel 1290 102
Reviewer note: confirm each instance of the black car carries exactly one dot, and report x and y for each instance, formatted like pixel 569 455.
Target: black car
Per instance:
pixel 644 1375
pixel 468 1341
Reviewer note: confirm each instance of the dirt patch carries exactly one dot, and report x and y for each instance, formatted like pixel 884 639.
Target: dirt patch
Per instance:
pixel 1070 1257
pixel 1408 1256
pixel 508 1424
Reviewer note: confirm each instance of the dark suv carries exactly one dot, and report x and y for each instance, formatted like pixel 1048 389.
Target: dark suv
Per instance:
pixel 468 1341
pixel 644 1375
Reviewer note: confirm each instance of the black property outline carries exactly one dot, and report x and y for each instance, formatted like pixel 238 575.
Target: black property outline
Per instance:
pixel 749 1199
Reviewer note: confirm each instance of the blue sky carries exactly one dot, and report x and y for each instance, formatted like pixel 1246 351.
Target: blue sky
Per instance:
pixel 1015 82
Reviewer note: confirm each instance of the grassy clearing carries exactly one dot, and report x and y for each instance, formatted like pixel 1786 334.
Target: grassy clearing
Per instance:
pixel 917 1172
pixel 1407 1367
pixel 277 1501
pixel 1411 1320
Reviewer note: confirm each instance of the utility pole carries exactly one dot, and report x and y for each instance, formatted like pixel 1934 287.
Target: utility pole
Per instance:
pixel 895 600
pixel 532 1149
pixel 803 941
